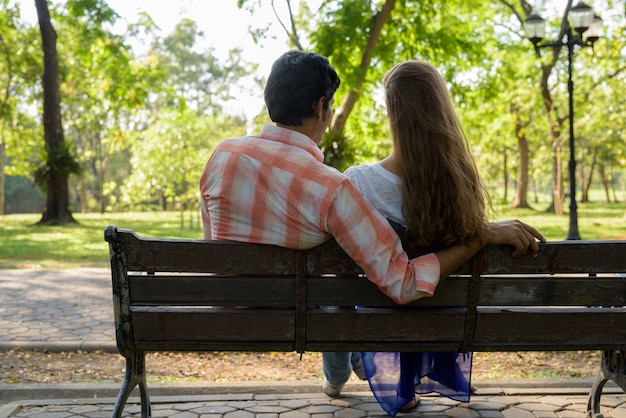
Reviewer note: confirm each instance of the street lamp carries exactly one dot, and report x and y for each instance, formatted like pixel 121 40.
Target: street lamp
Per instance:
pixel 588 28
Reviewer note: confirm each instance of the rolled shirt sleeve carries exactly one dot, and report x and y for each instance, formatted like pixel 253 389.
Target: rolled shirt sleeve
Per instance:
pixel 371 242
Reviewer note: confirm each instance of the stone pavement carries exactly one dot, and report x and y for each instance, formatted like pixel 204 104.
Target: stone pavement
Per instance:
pixel 60 310
pixel 46 309
pixel 495 402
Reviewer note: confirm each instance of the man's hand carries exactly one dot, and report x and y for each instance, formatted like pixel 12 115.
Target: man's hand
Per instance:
pixel 515 233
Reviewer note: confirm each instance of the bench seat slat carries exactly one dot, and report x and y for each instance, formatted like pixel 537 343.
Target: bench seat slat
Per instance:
pixel 409 346
pixel 550 328
pixel 350 291
pixel 385 325
pixel 558 257
pixel 199 256
pixel 552 290
pixel 215 345
pixel 257 291
pixel 358 291
pixel 205 324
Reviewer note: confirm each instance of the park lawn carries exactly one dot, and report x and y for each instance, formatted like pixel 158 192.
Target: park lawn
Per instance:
pixel 26 245
pixel 596 221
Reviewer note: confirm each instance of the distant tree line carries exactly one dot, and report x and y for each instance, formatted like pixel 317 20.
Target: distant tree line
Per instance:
pixel 137 128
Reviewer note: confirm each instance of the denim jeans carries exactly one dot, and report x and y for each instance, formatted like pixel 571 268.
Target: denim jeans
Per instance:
pixel 337 366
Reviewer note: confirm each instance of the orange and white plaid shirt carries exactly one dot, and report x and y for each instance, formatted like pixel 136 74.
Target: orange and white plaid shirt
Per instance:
pixel 275 189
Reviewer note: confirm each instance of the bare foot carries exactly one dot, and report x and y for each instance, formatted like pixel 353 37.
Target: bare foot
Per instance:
pixel 411 405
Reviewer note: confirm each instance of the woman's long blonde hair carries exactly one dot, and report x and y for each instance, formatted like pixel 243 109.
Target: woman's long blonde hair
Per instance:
pixel 443 199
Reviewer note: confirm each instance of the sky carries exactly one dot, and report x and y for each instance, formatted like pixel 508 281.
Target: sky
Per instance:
pixel 224 26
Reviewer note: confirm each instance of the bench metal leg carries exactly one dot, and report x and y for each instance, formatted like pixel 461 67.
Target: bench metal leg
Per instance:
pixel 135 375
pixel 593 404
pixel 613 368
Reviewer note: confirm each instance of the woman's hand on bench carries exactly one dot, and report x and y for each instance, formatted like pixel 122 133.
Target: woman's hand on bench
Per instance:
pixel 513 232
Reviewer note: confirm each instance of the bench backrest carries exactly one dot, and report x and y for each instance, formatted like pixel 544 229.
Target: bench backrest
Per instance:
pixel 180 295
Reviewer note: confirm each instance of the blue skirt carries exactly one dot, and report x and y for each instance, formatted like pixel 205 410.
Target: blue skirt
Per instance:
pixel 395 377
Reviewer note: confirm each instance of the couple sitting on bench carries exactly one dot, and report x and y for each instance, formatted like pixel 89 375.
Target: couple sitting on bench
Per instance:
pixel 274 188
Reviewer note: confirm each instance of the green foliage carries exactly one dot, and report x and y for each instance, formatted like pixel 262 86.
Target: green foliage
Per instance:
pixel 20 69
pixel 22 196
pixel 58 161
pixel 143 125
pixel 169 156
pixel 24 145
pixel 338 151
pixel 195 80
pixel 112 98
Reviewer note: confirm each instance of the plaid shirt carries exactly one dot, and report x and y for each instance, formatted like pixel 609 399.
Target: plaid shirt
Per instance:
pixel 275 189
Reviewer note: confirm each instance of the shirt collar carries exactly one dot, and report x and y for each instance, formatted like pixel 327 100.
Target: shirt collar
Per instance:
pixel 293 138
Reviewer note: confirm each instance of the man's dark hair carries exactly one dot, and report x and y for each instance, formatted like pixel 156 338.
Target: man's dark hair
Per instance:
pixel 297 80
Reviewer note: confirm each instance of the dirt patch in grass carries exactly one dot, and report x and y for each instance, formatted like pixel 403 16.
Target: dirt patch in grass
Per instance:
pixel 21 366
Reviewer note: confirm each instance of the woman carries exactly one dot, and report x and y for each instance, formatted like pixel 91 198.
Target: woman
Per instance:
pixel 429 186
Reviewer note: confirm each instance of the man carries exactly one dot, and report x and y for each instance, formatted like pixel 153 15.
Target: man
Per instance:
pixel 275 189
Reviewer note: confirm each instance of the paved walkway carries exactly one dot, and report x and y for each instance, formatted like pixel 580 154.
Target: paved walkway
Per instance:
pixel 508 403
pixel 46 308
pixel 42 309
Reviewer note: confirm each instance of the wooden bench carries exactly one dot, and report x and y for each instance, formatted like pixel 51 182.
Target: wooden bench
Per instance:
pixel 194 295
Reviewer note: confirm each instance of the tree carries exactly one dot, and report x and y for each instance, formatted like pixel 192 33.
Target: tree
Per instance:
pixel 169 156
pixel 101 88
pixel 182 120
pixel 551 86
pixel 601 137
pixel 363 39
pixel 19 71
pixel 54 172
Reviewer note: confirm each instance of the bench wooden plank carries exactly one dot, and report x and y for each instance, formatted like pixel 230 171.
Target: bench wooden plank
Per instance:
pixel 276 291
pixel 550 329
pixel 202 324
pixel 349 291
pixel 558 257
pixel 538 290
pixel 383 325
pixel 358 291
pixel 199 256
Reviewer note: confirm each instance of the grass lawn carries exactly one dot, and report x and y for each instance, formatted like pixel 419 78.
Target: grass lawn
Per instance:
pixel 26 245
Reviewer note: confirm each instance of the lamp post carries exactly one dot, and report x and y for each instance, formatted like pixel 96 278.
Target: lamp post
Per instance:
pixel 588 27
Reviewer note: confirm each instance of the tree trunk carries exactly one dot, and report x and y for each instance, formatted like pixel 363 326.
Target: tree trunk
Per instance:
pixel 338 152
pixel 556 122
pixel 557 183
pixel 83 195
pixel 605 182
pixel 57 190
pixel 521 191
pixel 586 183
pixel 340 117
pixel 505 168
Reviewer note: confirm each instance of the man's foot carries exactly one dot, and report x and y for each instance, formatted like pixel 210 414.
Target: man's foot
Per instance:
pixel 473 389
pixel 359 370
pixel 332 390
pixel 411 405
